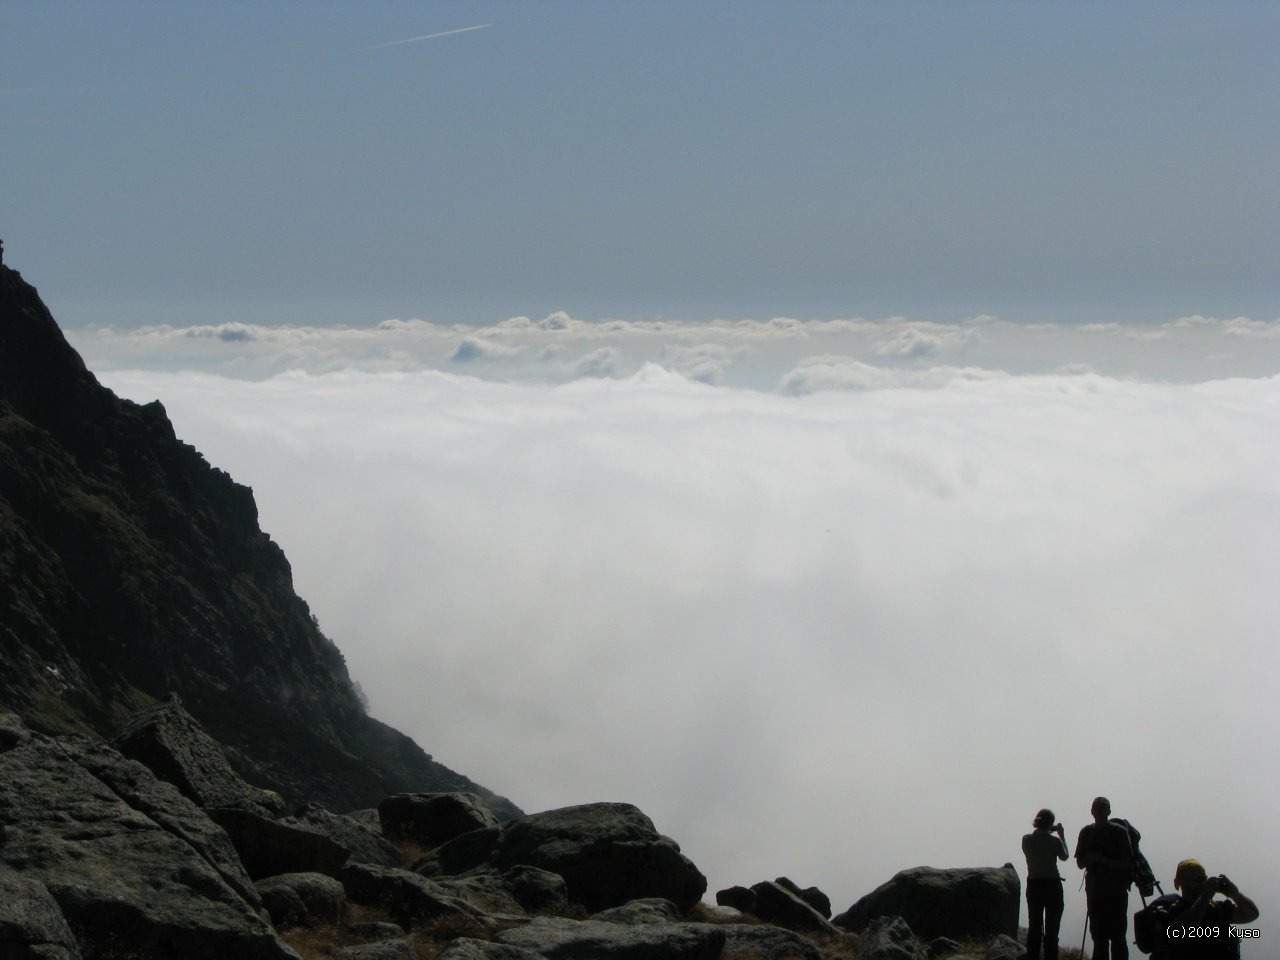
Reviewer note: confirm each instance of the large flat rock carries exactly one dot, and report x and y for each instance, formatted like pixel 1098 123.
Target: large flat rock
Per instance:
pixel 958 902
pixel 608 854
pixel 136 869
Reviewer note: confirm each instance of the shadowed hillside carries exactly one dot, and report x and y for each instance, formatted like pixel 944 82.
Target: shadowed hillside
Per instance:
pixel 130 568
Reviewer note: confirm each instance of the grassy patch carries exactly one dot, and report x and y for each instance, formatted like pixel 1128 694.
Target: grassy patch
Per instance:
pixel 316 943
pixel 427 939
pixel 411 852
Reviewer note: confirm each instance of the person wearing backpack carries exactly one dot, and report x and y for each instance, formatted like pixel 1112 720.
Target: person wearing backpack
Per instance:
pixel 1194 925
pixel 1044 847
pixel 1104 854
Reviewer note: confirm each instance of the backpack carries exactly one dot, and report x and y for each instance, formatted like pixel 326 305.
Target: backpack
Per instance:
pixel 1142 877
pixel 1149 921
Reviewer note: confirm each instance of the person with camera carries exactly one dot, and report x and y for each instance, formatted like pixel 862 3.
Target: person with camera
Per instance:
pixel 1196 925
pixel 1044 847
pixel 1105 855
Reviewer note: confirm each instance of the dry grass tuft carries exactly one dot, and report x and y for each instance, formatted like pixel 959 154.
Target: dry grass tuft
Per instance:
pixel 318 943
pixel 834 945
pixel 429 940
pixel 359 913
pixel 411 852
pixel 324 941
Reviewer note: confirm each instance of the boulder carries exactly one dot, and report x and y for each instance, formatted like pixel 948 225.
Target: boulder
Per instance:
pixel 135 867
pixel 940 947
pixel 890 938
pixel 515 892
pixel 173 746
pixel 608 853
pixel 739 898
pixel 469 852
pixel 408 897
pixel 137 787
pixel 32 926
pixel 302 899
pixel 762 941
pixel 592 940
pixel 535 889
pixel 777 905
pixel 810 895
pixel 365 845
pixel 284 907
pixel 486 892
pixel 430 819
pixel 648 910
pixel 270 847
pixel 967 903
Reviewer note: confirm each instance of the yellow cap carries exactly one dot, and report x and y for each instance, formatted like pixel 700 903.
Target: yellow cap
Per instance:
pixel 1186 867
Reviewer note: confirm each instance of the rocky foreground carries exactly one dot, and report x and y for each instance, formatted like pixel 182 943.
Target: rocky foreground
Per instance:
pixel 151 846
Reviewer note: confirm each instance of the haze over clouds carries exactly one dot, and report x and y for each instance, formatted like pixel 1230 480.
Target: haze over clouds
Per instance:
pixel 829 635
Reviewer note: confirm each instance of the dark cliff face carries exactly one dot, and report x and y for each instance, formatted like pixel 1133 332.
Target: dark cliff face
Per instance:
pixel 130 567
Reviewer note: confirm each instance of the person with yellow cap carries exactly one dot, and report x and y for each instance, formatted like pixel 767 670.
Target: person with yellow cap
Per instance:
pixel 1193 925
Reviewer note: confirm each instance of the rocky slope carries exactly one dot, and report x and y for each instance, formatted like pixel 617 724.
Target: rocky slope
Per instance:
pixel 151 847
pixel 131 568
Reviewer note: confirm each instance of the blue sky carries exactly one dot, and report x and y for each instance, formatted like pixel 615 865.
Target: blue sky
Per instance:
pixel 1068 162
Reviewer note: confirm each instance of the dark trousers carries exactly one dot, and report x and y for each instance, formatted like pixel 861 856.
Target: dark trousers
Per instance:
pixel 1044 916
pixel 1108 923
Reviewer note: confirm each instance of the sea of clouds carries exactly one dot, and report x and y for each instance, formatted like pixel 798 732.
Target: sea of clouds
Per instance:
pixel 824 599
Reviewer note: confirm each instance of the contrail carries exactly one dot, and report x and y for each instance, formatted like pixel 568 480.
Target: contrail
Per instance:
pixel 429 36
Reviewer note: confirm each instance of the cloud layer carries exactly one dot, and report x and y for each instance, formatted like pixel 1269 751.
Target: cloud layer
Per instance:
pixel 784 354
pixel 822 634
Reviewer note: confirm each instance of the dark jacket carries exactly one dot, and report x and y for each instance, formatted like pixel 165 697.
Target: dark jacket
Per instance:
pixel 1111 840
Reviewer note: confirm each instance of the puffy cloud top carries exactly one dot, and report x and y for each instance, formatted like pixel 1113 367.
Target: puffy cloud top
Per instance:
pixel 782 353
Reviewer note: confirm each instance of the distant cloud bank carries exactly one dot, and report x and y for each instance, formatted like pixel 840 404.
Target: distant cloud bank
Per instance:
pixel 777 355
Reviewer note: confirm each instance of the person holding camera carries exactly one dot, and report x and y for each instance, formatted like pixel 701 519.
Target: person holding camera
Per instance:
pixel 1105 855
pixel 1195 924
pixel 1044 847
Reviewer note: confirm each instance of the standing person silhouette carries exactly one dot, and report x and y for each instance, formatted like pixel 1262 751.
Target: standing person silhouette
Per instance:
pixel 1104 854
pixel 1044 847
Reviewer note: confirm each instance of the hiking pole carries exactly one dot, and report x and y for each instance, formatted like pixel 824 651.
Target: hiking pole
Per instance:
pixel 1085 932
